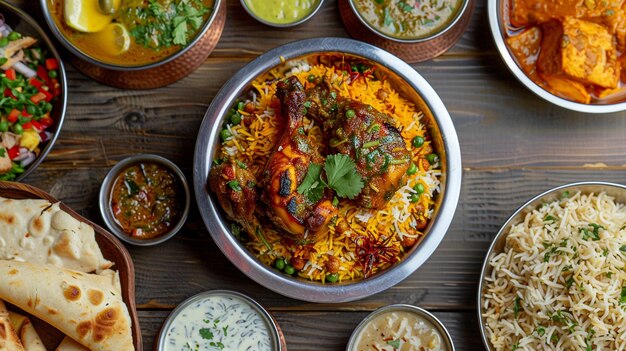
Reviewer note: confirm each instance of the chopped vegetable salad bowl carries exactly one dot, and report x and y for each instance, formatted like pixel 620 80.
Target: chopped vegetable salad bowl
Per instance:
pixel 34 98
pixel 339 227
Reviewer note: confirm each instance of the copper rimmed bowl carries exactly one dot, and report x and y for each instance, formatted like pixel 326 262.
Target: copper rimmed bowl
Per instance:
pixel 411 50
pixel 23 23
pixel 412 86
pixel 153 75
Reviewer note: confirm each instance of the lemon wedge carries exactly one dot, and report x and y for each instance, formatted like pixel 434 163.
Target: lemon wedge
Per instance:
pixel 85 16
pixel 114 39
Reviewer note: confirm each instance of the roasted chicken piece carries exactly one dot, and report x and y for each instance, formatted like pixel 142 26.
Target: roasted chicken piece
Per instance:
pixel 235 188
pixel 369 137
pixel 291 212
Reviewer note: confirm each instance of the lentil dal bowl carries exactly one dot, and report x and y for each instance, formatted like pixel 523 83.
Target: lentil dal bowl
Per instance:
pixel 367 245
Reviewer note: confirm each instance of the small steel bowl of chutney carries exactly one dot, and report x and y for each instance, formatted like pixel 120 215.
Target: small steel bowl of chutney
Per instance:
pixel 144 199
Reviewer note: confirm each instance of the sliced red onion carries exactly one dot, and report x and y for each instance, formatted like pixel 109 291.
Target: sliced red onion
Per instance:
pixel 22 154
pixel 25 70
pixel 45 136
pixel 30 157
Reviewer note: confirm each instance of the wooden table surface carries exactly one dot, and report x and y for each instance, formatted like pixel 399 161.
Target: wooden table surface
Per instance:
pixel 514 146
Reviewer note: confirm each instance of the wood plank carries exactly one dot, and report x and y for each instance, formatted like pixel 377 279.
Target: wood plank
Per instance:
pixel 499 122
pixel 306 331
pixel 191 263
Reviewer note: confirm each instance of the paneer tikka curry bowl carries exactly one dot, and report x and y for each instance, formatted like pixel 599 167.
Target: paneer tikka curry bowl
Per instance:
pixel 569 52
pixel 327 170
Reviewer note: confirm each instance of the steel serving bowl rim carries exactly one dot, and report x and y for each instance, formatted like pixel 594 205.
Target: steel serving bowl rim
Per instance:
pixel 62 78
pixel 378 32
pixel 501 235
pixel 494 12
pixel 402 307
pixel 85 57
pixel 262 311
pixel 281 25
pixel 299 288
pixel 105 194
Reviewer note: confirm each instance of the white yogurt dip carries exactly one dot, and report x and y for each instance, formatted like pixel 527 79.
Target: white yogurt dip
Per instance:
pixel 221 321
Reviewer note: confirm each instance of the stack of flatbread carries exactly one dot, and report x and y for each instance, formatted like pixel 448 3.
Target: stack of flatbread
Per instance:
pixel 52 268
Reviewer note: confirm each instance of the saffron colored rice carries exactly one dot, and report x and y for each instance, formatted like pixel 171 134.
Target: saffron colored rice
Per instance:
pixel 252 143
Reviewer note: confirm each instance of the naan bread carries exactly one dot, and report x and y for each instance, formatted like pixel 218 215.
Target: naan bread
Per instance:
pixel 70 345
pixel 8 337
pixel 86 307
pixel 30 339
pixel 37 231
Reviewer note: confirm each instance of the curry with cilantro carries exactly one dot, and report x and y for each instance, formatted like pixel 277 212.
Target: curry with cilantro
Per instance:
pixel 145 200
pixel 130 32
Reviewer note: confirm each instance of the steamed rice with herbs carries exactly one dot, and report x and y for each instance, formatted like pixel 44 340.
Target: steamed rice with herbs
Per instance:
pixel 361 242
pixel 560 283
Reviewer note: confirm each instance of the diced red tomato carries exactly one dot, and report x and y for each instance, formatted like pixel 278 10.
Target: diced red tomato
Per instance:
pixel 14 152
pixel 43 74
pixel 46 122
pixel 26 114
pixel 40 96
pixel 10 73
pixel 27 125
pixel 13 116
pixel 36 125
pixel 52 64
pixel 9 93
pixel 35 82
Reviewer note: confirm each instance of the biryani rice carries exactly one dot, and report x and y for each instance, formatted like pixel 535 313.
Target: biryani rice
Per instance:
pixel 252 142
pixel 560 282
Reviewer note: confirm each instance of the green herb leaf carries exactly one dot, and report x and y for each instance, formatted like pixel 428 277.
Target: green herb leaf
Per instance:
pixel 623 248
pixel 342 176
pixel 180 31
pixel 623 295
pixel 233 184
pixel 394 343
pixel 312 187
pixel 549 218
pixel 206 333
pixel 565 195
pixel 516 306
pixel 3 152
pixel 541 331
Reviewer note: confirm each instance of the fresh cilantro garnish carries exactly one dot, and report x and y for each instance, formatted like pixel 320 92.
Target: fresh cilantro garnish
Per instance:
pixel 2 152
pixel 516 306
pixel 312 186
pixel 394 343
pixel 623 248
pixel 233 184
pixel 622 298
pixel 540 331
pixel 342 176
pixel 206 333
pixel 167 24
pixel 188 16
pixel 593 234
pixel 549 218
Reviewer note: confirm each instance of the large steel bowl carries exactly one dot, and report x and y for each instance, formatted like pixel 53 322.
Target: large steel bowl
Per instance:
pixel 20 21
pixel 497 246
pixel 412 86
pixel 496 11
